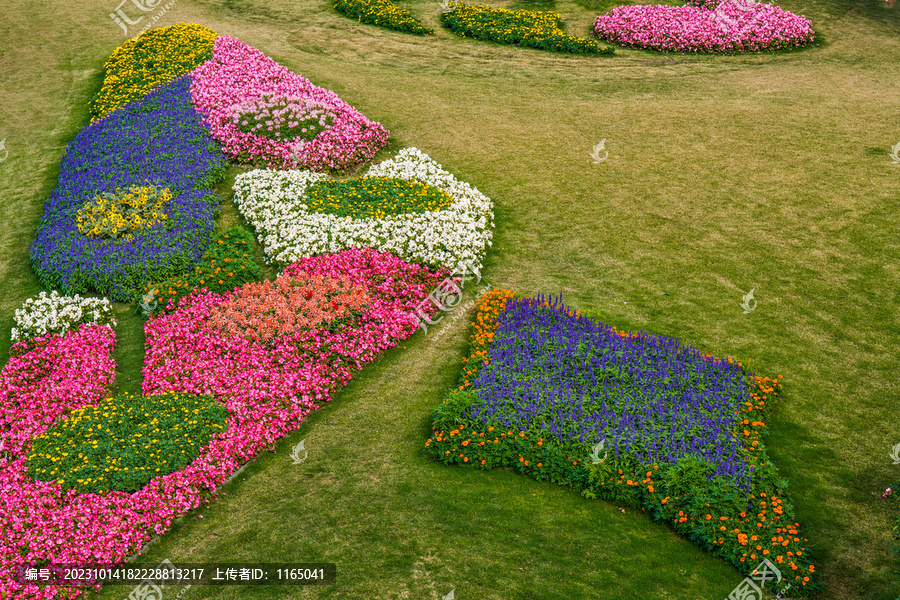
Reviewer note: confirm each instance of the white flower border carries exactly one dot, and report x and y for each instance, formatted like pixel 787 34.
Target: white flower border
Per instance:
pixel 273 202
pixel 57 314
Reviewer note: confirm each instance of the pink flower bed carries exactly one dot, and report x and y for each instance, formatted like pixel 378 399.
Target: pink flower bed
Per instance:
pixel 238 75
pixel 44 380
pixel 731 27
pixel 267 390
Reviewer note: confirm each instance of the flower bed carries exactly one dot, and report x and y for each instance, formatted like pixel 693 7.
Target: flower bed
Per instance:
pixel 238 76
pixel 122 443
pixel 731 27
pixel 267 386
pixel 225 265
pixel 277 119
pixel 46 378
pixel 637 419
pixel 158 140
pixel 276 204
pixel 54 314
pixel 383 13
pixel 266 312
pixel 526 28
pixel 150 61
pixel 197 349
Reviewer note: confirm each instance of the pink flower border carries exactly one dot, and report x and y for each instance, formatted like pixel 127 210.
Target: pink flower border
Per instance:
pixel 237 74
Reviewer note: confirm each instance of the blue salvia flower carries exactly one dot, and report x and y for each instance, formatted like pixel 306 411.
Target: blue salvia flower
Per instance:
pixel 654 398
pixel 160 139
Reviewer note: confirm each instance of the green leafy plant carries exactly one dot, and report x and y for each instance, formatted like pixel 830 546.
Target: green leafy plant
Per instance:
pixel 374 197
pixel 226 264
pixel 124 442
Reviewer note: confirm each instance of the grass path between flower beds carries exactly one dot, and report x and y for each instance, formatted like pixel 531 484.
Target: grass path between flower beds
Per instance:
pixel 724 174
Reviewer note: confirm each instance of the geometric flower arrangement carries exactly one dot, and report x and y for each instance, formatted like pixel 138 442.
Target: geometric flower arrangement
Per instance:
pixel 637 419
pixel 143 463
pixel 708 26
pixel 255 360
pixel 276 204
pixel 87 478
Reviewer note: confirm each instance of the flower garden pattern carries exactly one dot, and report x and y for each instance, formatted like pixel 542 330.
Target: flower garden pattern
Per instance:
pixel 637 419
pixel 275 204
pixel 238 75
pixel 150 61
pixel 727 27
pixel 232 364
pixel 199 356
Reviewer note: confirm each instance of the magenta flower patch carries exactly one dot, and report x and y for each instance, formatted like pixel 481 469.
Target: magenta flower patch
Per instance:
pixel 240 79
pixel 715 26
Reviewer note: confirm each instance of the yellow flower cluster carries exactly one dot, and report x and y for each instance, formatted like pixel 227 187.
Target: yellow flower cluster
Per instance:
pixel 375 197
pixel 526 28
pixel 122 440
pixel 383 13
pixel 150 61
pixel 114 215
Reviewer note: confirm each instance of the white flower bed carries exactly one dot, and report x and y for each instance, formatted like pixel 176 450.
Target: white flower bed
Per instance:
pixel 57 314
pixel 274 203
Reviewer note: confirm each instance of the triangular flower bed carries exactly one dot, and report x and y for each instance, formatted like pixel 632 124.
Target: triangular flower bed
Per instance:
pixel 636 419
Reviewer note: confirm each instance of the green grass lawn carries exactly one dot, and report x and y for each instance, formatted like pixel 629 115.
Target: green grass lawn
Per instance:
pixel 724 174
